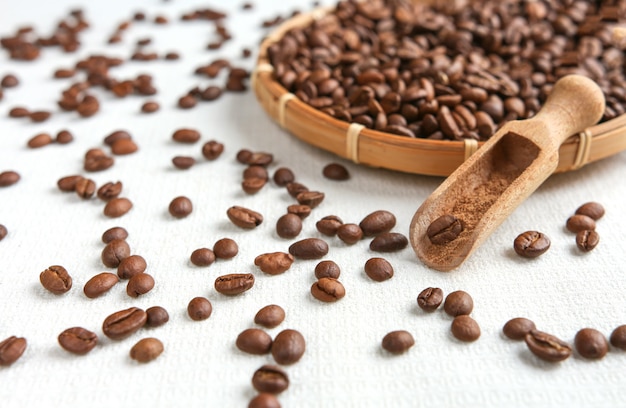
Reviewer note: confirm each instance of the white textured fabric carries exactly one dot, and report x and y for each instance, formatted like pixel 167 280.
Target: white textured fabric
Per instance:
pixel 344 365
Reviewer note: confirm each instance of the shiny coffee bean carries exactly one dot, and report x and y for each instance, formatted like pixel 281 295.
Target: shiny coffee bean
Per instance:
pixel 349 233
pixel 310 198
pixel 300 210
pixel 429 299
pixel 56 279
pixel 329 225
pixel 270 316
pixel 377 222
pixel 591 343
pixel 458 303
pixel 327 269
pixel 398 341
pixel 117 207
pixel 139 284
pixel 517 328
pixel 336 171
pixel 100 284
pixel 465 328
pixel 114 252
pixel 109 191
pixel 199 308
pixel 264 400
pixel 202 257
pixel 78 340
pixel 547 347
pixel 593 210
pixel 156 316
pixel 146 350
pixel 123 323
pixel 283 176
pixel 234 283
pixel 8 178
pixel 444 229
pixel 289 226
pixel 186 135
pixel 587 240
pixel 212 149
pixel 309 248
pixel 271 379
pixel 11 349
pixel 531 244
pixel 389 242
pixel 254 341
pixel 288 347
pixel 225 248
pixel 618 337
pixel 68 183
pixel 180 207
pixel 579 222
pixel 130 266
pixel 378 269
pixel 244 217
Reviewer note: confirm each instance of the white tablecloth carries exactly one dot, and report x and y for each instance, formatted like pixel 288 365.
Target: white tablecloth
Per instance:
pixel 562 291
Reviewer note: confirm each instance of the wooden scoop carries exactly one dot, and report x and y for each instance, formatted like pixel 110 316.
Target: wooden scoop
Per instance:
pixel 512 164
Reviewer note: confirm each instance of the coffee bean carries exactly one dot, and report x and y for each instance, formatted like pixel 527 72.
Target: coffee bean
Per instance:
pixel 114 252
pixel 274 263
pixel 587 240
pixel 156 316
pixel 465 328
pixel 270 316
pixel 124 147
pixel 187 102
pixel 100 284
pixel 398 341
pixel 335 171
pixel 255 172
pixel 186 135
pixel 3 232
pixel 288 226
pixel 39 116
pixel 350 233
pixel 202 257
pixel 283 176
pixel 18 112
pixel 85 188
pixel 309 248
pixel 8 178
pixel 114 233
pixel 310 198
pixel 9 81
pixel 591 343
pixel 56 279
pixel 180 207
pixel 252 185
pixel 531 244
pixel 593 210
pixel 618 337
pixel 117 207
pixel 327 269
pixel 429 299
pixel 109 191
pixel 288 347
pixel 264 400
pixel 211 93
pixel 271 379
pixel 225 248
pixel 150 107
pixel 254 341
pixel 579 222
pixel 517 328
pixel 212 149
pixel 458 303
pixel 389 242
pixel 139 284
pixel 328 290
pixel 183 162
pixel 329 225
pixel 377 222
pixel 68 183
pixel 39 140
pixel 300 210
pixel 260 159
pixel 199 308
pixel 243 156
pixel 547 347
pixel 378 269
pixel 115 136
pixel 146 350
pixel 11 349
pixel 64 137
pixel 78 340
pixel 294 189
pixel 123 323
pixel 244 217
pixel 97 160
pixel 444 229
pixel 234 283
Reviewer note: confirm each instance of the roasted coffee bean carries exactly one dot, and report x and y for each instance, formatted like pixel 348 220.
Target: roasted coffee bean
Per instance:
pixel 283 176
pixel 187 102
pixel 40 140
pixel 288 347
pixel 122 324
pixel 146 350
pixel 78 340
pixel 11 349
pixel 199 308
pixel 517 328
pixel 212 149
pixel 114 233
pixel 264 400
pixel 271 379
pixel 56 279
pixel 444 229
pixel 18 112
pixel 389 242
pixel 9 81
pixel 183 162
pixel 186 135
pixel 8 178
pixel 270 316
pixel 274 263
pixel 225 248
pixel 68 183
pixel 429 299
pixel 244 217
pixel 252 185
pixel 531 244
pixel 327 269
pixel 309 248
pixel 260 159
pixel 465 328
pixel 593 210
pixel 579 222
pixel 117 207
pixel 211 93
pixel 64 137
pixel 95 163
pixel 300 210
pixel 156 316
pixel 618 337
pixel 139 284
pixel 39 116
pixel 336 171
pixel 547 347
pixel 310 198
pixel 587 240
pixel 349 233
pixel 377 222
pixel 258 172
pixel 328 290
pixel 124 147
pixel 85 188
pixel 294 188
pixel 234 283
pixel 114 252
pixel 180 207
pixel 150 107
pixel 378 269
pixel 100 284
pixel 243 156
pixel 3 232
pixel 202 257
pixel 591 343
pixel 288 226
pixel 458 303
pixel 329 225
pixel 109 191
pixel 115 136
pixel 254 341
pixel 398 341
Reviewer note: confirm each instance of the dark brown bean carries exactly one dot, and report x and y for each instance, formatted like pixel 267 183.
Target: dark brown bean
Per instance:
pixel 252 185
pixel 202 257
pixel 579 222
pixel 274 263
pixel 329 225
pixel 183 162
pixel 429 299
pixel 389 242
pixel 180 207
pixel 114 233
pixel 288 226
pixel 234 283
pixel 377 222
pixel 283 176
pixel 592 209
pixel 271 379
pixel 264 400
pixel 39 116
pixel 547 347
pixel 130 266
pixel 458 303
pixel 465 328
pixel 288 347
pixel 327 269
pixel 212 149
pixel 199 308
pixel 8 178
pixel 328 290
pixel 56 279
pixel 115 136
pixel 349 233
pixel 11 349
pixel 78 340
pixel 591 343
pixel 9 81
pixel 618 337
pixel 294 189
pixel 156 316
pixel 256 171
pixel 300 210
pixel 254 341
pixel 310 198
pixel 68 183
pixel 186 135
pixel 40 140
pixel 517 328
pixel 109 191
pixel 18 112
pixel 123 323
pixel 187 102
pixel 100 284
pixel 146 350
pixel 244 217
pixel 270 316
pixel 531 244
pixel 378 269
pixel 64 137
pixel 398 341
pixel 309 248
pixel 150 107
pixel 336 171
pixel 225 248
pixel 139 284
pixel 587 240
pixel 117 207
pixel 114 252
pixel 85 188
pixel 444 229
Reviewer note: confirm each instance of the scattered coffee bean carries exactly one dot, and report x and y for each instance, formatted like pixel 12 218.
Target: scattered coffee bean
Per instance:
pixel 185 135
pixel 117 207
pixel 517 328
pixel 336 171
pixel 243 156
pixel 300 210
pixel 579 222
pixel 156 316
pixel 270 379
pixel 587 240
pixel 85 188
pixel 202 257
pixel 199 308
pixel 288 347
pixel 270 316
pixel 329 225
pixel 618 337
pixel 252 185
pixel 444 229
pixel 294 189
pixel 309 248
pixel 255 172
pixel 593 210
pixel 146 350
pixel 264 400
pixel 150 107
pixel 187 102
pixel 458 303
pixel 68 183
pixel 283 176
pixel 100 284
pixel 3 232
pixel 349 233
pixel 139 284
pixel 398 341
pixel 78 340
pixel 591 343
pixel 274 263
pixel 115 136
pixel 378 269
pixel 40 140
pixel 547 347
pixel 234 283
pixel 9 81
pixel 64 137
pixel 288 226
pixel 97 160
pixel 328 290
pixel 123 323
pixel 377 222
pixel 39 116
pixel 244 217
pixel 254 341
pixel 429 299
pixel 212 149
pixel 310 198
pixel 114 252
pixel 225 248
pixel 123 147
pixel 114 233
pixel 183 162
pixel 531 244
pixel 327 269
pixel 18 112
pixel 8 178
pixel 180 207
pixel 11 349
pixel 56 279
pixel 465 328
pixel 389 242
pixel 109 191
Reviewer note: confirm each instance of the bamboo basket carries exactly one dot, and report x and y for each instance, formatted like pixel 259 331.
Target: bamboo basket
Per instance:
pixel 410 155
